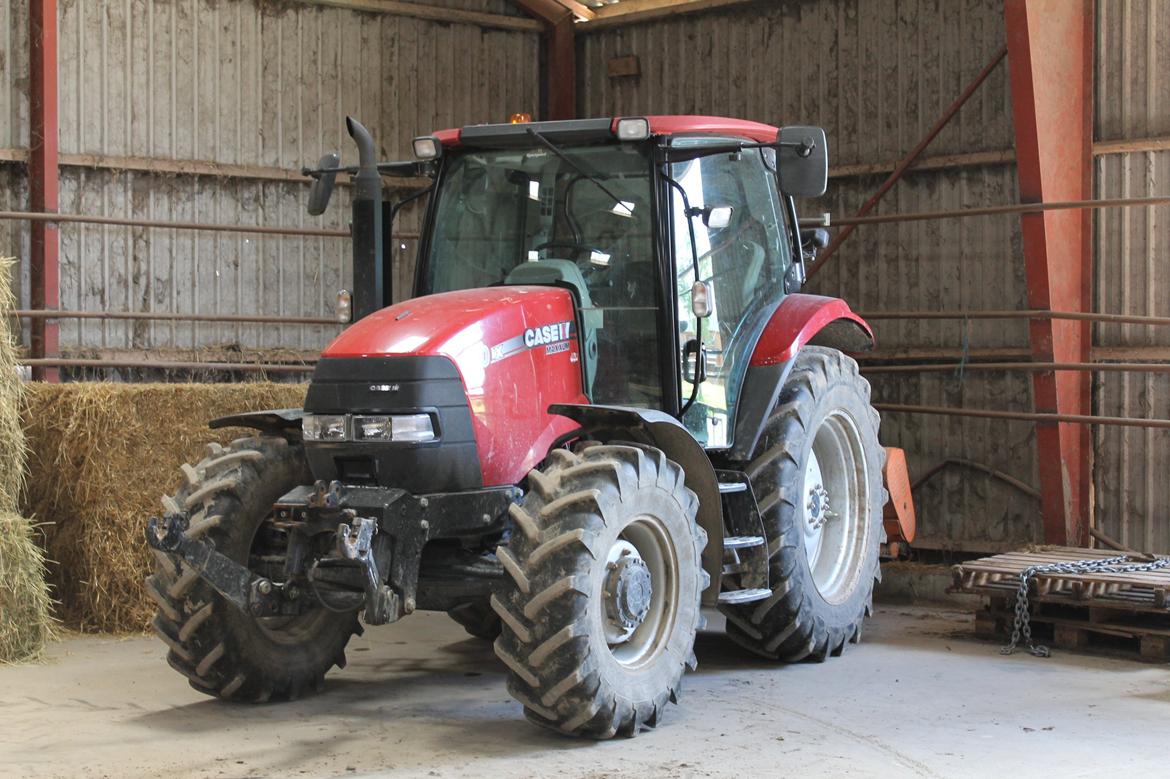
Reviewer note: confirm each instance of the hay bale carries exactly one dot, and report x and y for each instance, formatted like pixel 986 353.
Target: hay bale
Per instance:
pixel 100 457
pixel 25 616
pixel 12 454
pixel 25 606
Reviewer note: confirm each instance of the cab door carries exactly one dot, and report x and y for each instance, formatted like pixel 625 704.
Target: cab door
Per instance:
pixel 743 262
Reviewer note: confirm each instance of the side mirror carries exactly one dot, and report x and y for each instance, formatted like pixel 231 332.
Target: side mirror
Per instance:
pixel 802 161
pixel 717 217
pixel 322 188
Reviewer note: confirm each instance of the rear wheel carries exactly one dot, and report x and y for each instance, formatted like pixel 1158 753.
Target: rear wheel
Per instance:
pixel 817 473
pixel 221 650
pixel 600 604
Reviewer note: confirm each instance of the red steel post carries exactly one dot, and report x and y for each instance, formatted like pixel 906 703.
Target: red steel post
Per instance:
pixel 42 178
pixel 1050 60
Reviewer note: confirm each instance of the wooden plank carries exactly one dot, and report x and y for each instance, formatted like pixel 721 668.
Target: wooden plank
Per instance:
pixel 433 13
pixel 1155 648
pixel 162 166
pixel 640 11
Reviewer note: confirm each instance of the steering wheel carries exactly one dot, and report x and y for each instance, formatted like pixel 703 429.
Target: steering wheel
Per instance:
pixel 574 245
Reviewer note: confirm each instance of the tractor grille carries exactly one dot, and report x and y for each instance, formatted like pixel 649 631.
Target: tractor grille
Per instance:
pixel 390 385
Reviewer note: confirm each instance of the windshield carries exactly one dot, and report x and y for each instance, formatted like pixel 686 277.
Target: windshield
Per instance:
pixel 498 211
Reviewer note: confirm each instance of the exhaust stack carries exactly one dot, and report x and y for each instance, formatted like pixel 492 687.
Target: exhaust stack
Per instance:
pixel 369 287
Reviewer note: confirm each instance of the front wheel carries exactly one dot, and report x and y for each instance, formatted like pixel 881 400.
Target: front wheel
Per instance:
pixel 221 650
pixel 817 473
pixel 600 606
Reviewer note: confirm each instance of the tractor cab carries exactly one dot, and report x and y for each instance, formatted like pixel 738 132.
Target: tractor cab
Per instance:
pixel 673 235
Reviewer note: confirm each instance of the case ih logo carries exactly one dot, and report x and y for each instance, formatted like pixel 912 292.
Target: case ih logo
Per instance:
pixel 549 334
pixel 554 338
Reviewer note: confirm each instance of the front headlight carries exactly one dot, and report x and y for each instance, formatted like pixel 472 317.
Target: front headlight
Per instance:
pixel 412 428
pixel 324 427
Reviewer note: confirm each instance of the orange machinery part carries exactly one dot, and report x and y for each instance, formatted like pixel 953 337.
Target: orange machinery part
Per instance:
pixel 898 514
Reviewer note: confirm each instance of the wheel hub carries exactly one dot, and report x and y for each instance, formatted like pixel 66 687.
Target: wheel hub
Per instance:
pixel 628 592
pixel 818 507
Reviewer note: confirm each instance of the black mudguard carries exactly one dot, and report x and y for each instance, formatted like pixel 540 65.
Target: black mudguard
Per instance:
pixel 282 422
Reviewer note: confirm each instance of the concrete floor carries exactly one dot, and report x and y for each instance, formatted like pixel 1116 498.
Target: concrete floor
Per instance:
pixel 918 698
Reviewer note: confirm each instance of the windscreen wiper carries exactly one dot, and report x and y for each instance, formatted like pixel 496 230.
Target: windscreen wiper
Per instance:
pixel 574 164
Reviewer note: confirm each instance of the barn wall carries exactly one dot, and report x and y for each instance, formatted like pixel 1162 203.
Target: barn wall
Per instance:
pixel 877 74
pixel 1133 270
pixel 14 235
pixel 247 83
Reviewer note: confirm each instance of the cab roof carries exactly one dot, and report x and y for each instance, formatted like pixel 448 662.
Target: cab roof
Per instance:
pixel 586 130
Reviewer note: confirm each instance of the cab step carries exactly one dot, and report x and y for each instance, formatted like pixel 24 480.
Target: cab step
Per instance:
pixel 732 486
pixel 736 597
pixel 743 542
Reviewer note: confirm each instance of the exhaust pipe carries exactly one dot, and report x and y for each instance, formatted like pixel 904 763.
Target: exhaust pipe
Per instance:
pixel 369 287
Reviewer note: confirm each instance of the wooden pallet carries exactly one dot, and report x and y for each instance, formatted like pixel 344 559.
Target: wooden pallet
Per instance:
pixel 1116 612
pixel 1000 576
pixel 1139 635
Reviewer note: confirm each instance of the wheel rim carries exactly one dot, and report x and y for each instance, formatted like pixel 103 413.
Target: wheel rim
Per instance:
pixel 639 592
pixel 835 505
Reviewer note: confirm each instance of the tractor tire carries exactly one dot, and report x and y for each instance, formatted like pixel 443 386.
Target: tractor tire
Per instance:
pixel 817 474
pixel 478 619
pixel 600 604
pixel 221 650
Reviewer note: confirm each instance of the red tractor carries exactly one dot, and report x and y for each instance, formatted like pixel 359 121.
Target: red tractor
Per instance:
pixel 605 406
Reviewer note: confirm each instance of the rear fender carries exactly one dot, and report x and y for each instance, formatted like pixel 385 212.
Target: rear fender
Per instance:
pixel 662 431
pixel 798 320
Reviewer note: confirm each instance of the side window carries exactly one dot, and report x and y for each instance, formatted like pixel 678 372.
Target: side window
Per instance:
pixel 743 264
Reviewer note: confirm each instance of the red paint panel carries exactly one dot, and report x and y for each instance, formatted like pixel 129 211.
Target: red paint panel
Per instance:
pixel 449 137
pixel 795 321
pixel 516 349
pixel 712 125
pixel 1050 60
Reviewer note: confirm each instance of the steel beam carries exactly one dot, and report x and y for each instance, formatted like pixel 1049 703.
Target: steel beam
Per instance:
pixel 42 179
pixel 1050 58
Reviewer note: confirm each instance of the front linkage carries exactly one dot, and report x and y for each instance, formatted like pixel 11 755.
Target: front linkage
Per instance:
pixel 379 535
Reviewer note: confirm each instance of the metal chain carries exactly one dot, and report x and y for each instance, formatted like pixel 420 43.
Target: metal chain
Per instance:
pixel 1023 622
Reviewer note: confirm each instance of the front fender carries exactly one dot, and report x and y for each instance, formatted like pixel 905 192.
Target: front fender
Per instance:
pixel 664 432
pixel 282 422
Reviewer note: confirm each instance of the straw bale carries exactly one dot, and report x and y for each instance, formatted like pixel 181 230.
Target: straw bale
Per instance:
pixel 25 614
pixel 100 457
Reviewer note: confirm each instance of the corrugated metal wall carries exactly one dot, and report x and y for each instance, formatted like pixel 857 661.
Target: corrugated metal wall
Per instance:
pixel 240 82
pixel 877 74
pixel 1133 269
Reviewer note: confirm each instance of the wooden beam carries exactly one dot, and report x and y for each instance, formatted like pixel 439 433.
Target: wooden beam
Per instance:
pixel 583 12
pixel 432 13
pixel 937 162
pixel 640 11
pixel 169 167
pixel 560 55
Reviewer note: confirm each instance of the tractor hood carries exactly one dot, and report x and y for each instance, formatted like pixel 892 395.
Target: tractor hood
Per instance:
pixel 515 349
pixel 468 326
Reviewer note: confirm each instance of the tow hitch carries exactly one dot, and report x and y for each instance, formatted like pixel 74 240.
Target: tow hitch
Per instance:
pixel 252 594
pixel 378 536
